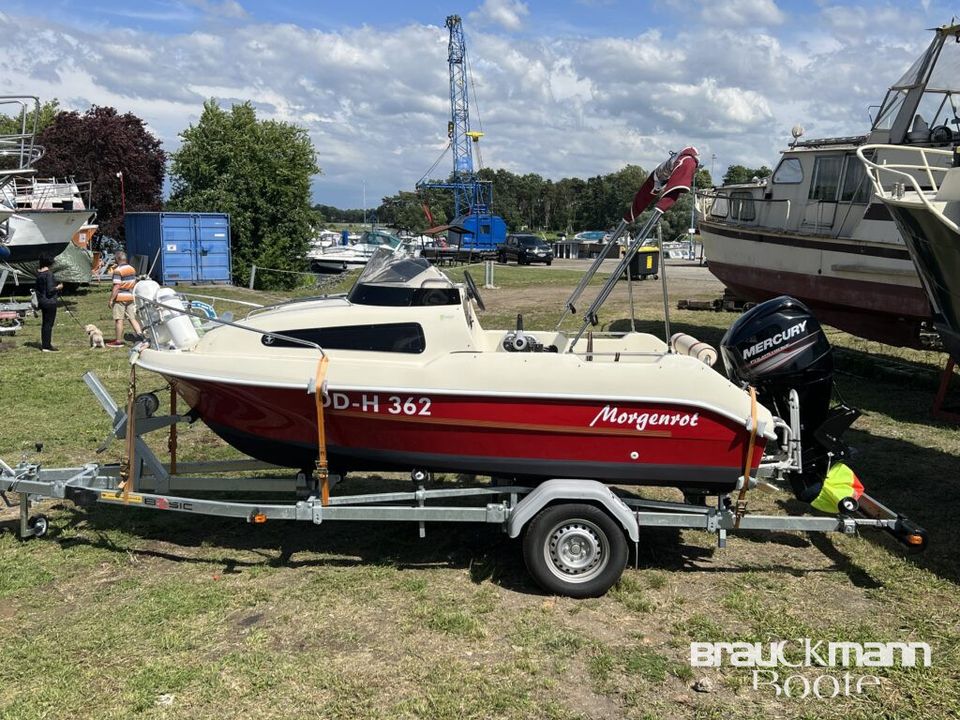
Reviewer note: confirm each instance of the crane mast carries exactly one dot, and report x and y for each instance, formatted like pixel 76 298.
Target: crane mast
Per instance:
pixel 470 194
pixel 476 228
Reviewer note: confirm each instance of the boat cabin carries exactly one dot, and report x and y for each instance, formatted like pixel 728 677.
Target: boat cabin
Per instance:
pixel 819 187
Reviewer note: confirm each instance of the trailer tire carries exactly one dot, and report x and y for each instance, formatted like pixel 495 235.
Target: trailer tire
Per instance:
pixel 575 549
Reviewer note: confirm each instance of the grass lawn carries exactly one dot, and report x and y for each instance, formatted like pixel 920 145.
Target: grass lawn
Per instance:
pixel 120 613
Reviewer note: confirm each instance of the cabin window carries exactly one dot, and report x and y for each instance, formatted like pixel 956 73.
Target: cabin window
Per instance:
pixel 788 172
pixel 856 184
pixel 388 337
pixel 484 229
pixel 742 206
pixel 826 178
pixel 719 207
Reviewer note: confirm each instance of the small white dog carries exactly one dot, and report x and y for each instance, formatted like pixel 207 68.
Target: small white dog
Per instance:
pixel 96 337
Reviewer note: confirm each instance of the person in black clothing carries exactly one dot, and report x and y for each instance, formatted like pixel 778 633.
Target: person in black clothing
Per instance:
pixel 47 291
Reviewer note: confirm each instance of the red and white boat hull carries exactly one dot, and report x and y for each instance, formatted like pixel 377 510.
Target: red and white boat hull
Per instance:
pixel 632 442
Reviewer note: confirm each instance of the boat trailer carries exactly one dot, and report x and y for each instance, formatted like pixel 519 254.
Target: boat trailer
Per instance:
pixel 576 533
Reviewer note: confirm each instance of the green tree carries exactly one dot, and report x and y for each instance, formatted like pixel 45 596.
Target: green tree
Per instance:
pixel 93 147
pixel 738 174
pixel 405 210
pixel 259 172
pixel 11 124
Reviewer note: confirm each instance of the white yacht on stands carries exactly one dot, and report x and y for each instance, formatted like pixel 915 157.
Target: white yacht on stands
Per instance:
pixel 816 230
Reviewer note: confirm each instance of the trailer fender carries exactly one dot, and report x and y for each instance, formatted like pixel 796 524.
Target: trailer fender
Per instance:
pixel 554 491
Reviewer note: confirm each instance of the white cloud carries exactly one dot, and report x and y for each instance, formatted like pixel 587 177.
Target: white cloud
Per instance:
pixel 508 14
pixel 221 8
pixel 741 13
pixel 376 100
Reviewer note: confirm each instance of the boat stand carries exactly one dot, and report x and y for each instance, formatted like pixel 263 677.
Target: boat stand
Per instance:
pixel 13 312
pixel 938 410
pixel 553 509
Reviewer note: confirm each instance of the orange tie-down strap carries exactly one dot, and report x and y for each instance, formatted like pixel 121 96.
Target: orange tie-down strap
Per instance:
pixel 748 461
pixel 322 471
pixel 129 459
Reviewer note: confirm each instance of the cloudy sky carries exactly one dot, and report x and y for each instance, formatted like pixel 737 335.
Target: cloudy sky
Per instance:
pixel 563 87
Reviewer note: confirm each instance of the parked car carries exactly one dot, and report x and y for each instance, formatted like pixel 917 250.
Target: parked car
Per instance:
pixel 525 249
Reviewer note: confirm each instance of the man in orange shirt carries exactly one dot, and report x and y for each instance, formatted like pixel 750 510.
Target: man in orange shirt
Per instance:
pixel 121 299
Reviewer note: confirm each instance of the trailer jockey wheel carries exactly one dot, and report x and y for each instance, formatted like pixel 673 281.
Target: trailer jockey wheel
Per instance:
pixel 38 524
pixel 420 477
pixel 848 506
pixel 575 550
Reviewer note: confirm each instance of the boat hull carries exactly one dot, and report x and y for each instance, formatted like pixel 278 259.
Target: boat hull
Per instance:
pixel 935 249
pixel 523 437
pixel 870 291
pixel 332 265
pixel 35 232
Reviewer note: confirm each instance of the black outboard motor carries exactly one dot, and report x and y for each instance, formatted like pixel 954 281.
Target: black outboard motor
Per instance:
pixel 779 346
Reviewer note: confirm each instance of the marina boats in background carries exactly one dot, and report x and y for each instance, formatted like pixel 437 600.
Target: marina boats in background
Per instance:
pixel 324 239
pixel 816 230
pixel 340 258
pixel 682 250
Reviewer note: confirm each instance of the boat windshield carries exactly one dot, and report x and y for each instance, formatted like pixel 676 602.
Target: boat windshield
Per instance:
pixel 937 74
pixel 386 267
pixel 380 237
pixel 392 278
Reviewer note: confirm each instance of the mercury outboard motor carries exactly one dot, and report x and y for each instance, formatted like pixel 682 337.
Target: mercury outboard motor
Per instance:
pixel 779 346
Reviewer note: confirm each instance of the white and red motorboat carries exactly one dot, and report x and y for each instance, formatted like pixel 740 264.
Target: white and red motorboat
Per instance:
pixel 414 381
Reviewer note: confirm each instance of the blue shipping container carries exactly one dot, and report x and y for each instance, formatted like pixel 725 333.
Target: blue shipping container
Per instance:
pixel 181 247
pixel 483 232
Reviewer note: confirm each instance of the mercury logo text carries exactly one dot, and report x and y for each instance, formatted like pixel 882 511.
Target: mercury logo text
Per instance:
pixel 774 340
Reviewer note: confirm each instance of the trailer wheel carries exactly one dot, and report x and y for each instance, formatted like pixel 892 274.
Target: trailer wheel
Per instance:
pixel 575 550
pixel 39 524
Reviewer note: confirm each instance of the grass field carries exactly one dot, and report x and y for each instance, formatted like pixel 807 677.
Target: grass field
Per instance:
pixel 120 614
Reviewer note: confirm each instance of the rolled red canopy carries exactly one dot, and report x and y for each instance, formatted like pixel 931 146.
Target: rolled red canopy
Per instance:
pixel 668 182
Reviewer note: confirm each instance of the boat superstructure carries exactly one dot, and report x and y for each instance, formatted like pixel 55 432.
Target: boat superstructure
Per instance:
pixel 816 230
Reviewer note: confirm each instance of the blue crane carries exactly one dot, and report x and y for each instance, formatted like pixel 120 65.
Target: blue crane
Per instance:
pixel 472 197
